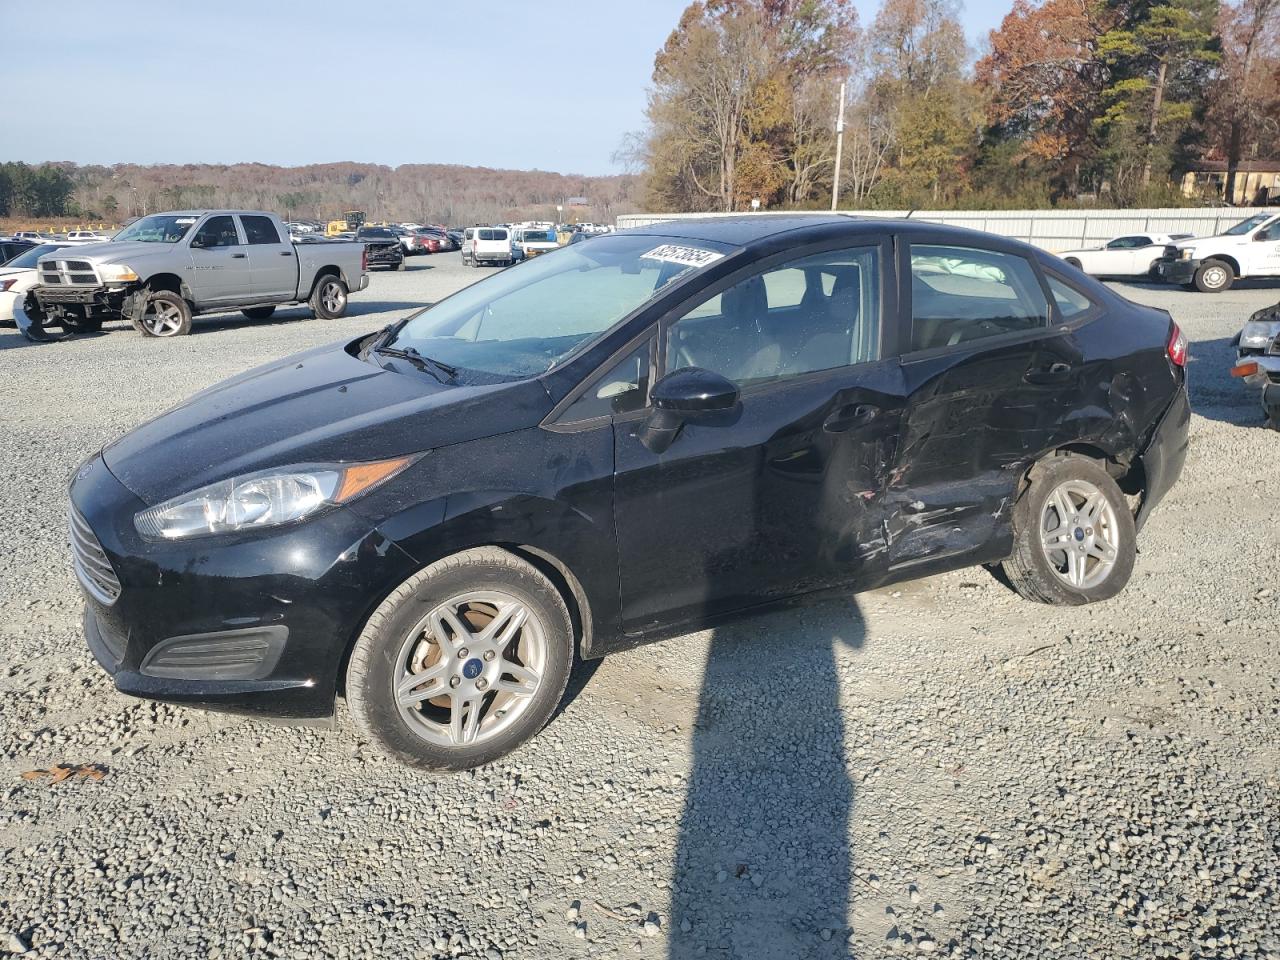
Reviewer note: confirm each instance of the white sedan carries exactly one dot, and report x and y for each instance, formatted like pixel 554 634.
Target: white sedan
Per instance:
pixel 17 277
pixel 1131 255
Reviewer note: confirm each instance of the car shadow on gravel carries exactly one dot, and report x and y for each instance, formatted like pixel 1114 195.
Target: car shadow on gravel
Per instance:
pixel 763 864
pixel 1215 394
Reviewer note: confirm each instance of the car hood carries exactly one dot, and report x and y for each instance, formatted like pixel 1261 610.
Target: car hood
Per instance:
pixel 109 251
pixel 15 271
pixel 322 406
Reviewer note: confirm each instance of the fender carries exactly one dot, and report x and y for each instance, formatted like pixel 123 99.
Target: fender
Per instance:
pixel 581 548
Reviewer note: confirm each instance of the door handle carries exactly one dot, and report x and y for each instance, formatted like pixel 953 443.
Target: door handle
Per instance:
pixel 286 253
pixel 238 256
pixel 849 416
pixel 1053 373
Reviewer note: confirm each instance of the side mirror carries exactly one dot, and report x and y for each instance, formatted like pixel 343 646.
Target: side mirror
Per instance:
pixel 197 243
pixel 694 390
pixel 691 393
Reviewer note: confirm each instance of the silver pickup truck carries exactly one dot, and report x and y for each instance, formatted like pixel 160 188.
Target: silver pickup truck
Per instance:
pixel 163 269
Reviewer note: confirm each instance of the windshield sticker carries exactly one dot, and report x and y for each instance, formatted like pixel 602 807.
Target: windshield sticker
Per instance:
pixel 689 256
pixel 185 219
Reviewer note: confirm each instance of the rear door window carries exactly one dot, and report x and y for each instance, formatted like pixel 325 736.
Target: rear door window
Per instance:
pixel 963 294
pixel 259 229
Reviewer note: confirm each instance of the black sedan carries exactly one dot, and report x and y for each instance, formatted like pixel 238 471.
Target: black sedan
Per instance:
pixel 628 439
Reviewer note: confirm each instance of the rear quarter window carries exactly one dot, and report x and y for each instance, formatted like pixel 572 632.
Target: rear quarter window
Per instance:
pixel 1071 302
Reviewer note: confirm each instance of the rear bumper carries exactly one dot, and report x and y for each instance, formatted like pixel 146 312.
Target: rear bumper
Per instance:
pixel 1166 453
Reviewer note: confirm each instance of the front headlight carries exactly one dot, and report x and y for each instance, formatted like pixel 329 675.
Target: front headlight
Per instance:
pixel 116 273
pixel 1187 253
pixel 1259 334
pixel 268 498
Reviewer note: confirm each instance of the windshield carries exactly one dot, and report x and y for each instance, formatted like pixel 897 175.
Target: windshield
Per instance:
pixel 523 321
pixel 28 258
pixel 1244 226
pixel 538 236
pixel 159 228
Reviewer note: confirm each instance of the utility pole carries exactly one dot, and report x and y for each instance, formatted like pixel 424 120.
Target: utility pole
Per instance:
pixel 835 185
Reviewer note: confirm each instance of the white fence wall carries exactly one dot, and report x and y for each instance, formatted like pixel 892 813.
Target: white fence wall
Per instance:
pixel 1053 230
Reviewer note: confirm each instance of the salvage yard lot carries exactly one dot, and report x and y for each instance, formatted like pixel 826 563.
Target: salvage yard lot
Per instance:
pixel 935 768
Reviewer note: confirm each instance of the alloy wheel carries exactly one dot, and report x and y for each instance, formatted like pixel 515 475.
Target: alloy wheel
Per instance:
pixel 470 668
pixel 162 319
pixel 1079 534
pixel 333 297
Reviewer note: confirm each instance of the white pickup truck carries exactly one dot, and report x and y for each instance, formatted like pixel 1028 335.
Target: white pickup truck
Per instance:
pixel 163 269
pixel 1211 264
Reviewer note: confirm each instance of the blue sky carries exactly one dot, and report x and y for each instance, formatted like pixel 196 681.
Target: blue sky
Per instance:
pixel 408 81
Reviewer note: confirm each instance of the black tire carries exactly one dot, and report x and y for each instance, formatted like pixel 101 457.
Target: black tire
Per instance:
pixel 1029 569
pixel 1073 262
pixel 328 299
pixel 258 313
pixel 374 667
pixel 172 304
pixel 1214 276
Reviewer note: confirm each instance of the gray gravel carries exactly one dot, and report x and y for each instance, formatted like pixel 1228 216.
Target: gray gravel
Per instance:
pixel 938 768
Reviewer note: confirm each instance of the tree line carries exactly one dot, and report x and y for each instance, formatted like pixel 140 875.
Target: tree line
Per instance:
pixel 429 193
pixel 1071 102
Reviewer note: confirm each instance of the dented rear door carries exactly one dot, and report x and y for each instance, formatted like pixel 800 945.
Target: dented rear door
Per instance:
pixel 989 384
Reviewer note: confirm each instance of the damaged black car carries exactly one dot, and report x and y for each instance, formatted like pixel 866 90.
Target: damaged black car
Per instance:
pixel 618 442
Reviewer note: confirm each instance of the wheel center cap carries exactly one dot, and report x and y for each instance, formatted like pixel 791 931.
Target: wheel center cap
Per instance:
pixel 471 669
pixel 1079 533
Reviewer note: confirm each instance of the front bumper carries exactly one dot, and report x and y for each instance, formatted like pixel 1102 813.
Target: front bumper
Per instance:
pixel 1165 454
pixel 82 301
pixel 385 257
pixel 1177 271
pixel 255 625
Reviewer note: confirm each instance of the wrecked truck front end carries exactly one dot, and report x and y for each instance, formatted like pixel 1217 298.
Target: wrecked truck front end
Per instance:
pixel 76 291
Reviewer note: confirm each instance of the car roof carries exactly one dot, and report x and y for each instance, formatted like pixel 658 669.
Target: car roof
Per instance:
pixel 748 229
pixel 201 213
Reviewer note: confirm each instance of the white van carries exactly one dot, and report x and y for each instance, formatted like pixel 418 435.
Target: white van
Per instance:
pixel 487 245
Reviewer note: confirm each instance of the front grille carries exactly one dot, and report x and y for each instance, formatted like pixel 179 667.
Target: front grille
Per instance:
pixel 92 567
pixel 76 273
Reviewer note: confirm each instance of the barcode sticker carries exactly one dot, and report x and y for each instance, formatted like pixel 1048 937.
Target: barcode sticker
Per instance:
pixel 689 256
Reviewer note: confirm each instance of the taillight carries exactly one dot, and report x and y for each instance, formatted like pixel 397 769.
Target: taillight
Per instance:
pixel 1177 347
pixel 364 259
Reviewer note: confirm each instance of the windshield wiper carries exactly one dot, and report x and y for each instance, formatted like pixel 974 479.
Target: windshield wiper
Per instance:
pixel 434 367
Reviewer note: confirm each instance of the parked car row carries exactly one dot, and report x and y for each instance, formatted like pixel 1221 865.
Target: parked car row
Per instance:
pixel 1249 249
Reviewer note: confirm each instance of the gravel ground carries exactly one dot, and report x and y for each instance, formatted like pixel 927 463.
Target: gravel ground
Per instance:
pixel 936 768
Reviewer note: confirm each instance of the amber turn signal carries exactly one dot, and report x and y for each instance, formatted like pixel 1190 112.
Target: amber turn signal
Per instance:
pixel 360 477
